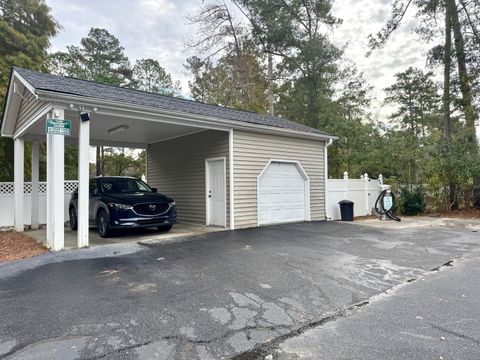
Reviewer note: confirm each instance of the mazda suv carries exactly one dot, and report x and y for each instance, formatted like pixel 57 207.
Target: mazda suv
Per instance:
pixel 119 202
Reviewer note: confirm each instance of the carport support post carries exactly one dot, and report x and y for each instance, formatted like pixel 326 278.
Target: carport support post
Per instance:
pixel 49 191
pixel 83 179
pixel 35 186
pixel 367 195
pixel 18 177
pixel 56 187
pixel 345 178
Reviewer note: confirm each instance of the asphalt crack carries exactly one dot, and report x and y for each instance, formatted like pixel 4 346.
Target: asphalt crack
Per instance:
pixel 446 264
pixel 454 333
pixel 14 350
pixel 182 339
pixel 263 350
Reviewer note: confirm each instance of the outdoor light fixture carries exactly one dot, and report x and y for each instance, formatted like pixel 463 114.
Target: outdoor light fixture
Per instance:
pixel 117 129
pixel 85 116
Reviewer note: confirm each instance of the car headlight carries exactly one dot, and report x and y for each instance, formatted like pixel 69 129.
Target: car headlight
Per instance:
pixel 172 203
pixel 120 206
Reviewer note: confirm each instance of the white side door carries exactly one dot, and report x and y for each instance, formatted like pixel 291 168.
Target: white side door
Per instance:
pixel 215 188
pixel 282 194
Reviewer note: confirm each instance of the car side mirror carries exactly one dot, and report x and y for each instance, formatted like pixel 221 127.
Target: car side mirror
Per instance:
pixel 94 192
pixel 154 190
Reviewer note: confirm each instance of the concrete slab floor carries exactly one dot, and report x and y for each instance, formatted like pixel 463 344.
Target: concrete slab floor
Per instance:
pixel 128 235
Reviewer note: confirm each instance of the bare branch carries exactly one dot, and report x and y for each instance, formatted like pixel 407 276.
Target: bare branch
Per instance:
pixel 398 13
pixel 470 22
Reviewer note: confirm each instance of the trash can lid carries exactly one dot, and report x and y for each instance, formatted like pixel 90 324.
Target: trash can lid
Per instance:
pixel 345 202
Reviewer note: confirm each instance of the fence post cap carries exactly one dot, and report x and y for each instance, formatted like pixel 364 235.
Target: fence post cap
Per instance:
pixel 345 175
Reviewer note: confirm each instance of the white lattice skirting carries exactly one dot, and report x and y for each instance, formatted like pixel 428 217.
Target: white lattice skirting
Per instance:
pixel 7 188
pixel 7 202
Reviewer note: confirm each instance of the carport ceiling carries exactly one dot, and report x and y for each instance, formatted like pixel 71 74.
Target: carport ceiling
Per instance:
pixel 137 131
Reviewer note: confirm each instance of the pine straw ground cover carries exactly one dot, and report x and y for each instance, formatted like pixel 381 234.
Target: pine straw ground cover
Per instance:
pixel 17 245
pixel 462 214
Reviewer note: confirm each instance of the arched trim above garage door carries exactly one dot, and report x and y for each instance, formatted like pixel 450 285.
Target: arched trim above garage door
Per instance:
pixel 306 179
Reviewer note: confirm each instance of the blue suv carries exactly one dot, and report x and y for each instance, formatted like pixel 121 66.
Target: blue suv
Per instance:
pixel 120 202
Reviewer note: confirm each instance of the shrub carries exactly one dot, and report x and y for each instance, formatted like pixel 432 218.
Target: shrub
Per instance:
pixel 412 201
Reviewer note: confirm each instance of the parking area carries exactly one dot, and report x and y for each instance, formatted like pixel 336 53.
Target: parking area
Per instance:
pixel 129 235
pixel 221 295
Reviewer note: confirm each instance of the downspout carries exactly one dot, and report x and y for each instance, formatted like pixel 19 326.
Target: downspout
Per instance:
pixel 231 179
pixel 325 167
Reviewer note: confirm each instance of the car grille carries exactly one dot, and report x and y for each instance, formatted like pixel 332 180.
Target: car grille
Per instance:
pixel 150 209
pixel 149 222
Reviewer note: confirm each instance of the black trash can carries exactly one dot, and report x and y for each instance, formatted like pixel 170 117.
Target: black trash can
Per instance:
pixel 346 210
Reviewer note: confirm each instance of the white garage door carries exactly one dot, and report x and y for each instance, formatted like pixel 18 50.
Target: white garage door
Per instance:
pixel 281 194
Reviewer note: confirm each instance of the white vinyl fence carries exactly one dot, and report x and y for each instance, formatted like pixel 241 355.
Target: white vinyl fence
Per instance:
pixel 363 192
pixel 7 202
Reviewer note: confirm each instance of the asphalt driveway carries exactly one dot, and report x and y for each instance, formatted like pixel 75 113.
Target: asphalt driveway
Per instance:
pixel 218 295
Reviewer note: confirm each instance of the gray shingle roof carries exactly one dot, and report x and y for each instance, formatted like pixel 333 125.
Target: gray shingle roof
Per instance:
pixel 67 85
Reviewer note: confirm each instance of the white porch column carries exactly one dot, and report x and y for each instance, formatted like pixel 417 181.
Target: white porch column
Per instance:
pixel 345 178
pixel 55 188
pixel 49 191
pixel 368 210
pixel 18 177
pixel 83 180
pixel 35 186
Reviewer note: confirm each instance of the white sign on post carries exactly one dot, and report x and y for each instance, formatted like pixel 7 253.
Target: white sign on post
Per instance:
pixel 387 202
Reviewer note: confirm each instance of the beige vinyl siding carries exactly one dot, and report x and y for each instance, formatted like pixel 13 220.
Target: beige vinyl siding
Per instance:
pixel 253 151
pixel 28 108
pixel 177 168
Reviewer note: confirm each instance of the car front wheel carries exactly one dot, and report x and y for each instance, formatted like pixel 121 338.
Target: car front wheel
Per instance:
pixel 73 219
pixel 103 224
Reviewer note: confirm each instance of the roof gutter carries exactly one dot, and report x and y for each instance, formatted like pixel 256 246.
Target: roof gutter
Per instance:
pixel 53 96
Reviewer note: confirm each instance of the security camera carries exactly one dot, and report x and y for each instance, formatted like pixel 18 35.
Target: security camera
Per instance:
pixel 85 116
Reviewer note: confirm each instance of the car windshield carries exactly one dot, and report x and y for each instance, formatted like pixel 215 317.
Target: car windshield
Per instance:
pixel 123 186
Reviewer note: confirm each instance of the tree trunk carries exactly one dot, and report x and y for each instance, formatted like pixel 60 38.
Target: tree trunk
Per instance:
pixel 447 64
pixel 467 101
pixel 271 109
pixel 447 120
pixel 102 168
pixel 98 162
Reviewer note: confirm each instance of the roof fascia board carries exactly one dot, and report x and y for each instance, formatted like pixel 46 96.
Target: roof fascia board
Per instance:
pixel 8 104
pixel 6 111
pixel 26 84
pixel 40 113
pixel 214 123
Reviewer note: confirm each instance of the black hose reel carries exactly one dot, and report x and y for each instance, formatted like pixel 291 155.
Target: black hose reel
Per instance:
pixel 384 205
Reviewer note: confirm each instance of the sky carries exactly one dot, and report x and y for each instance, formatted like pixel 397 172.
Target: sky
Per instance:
pixel 158 29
